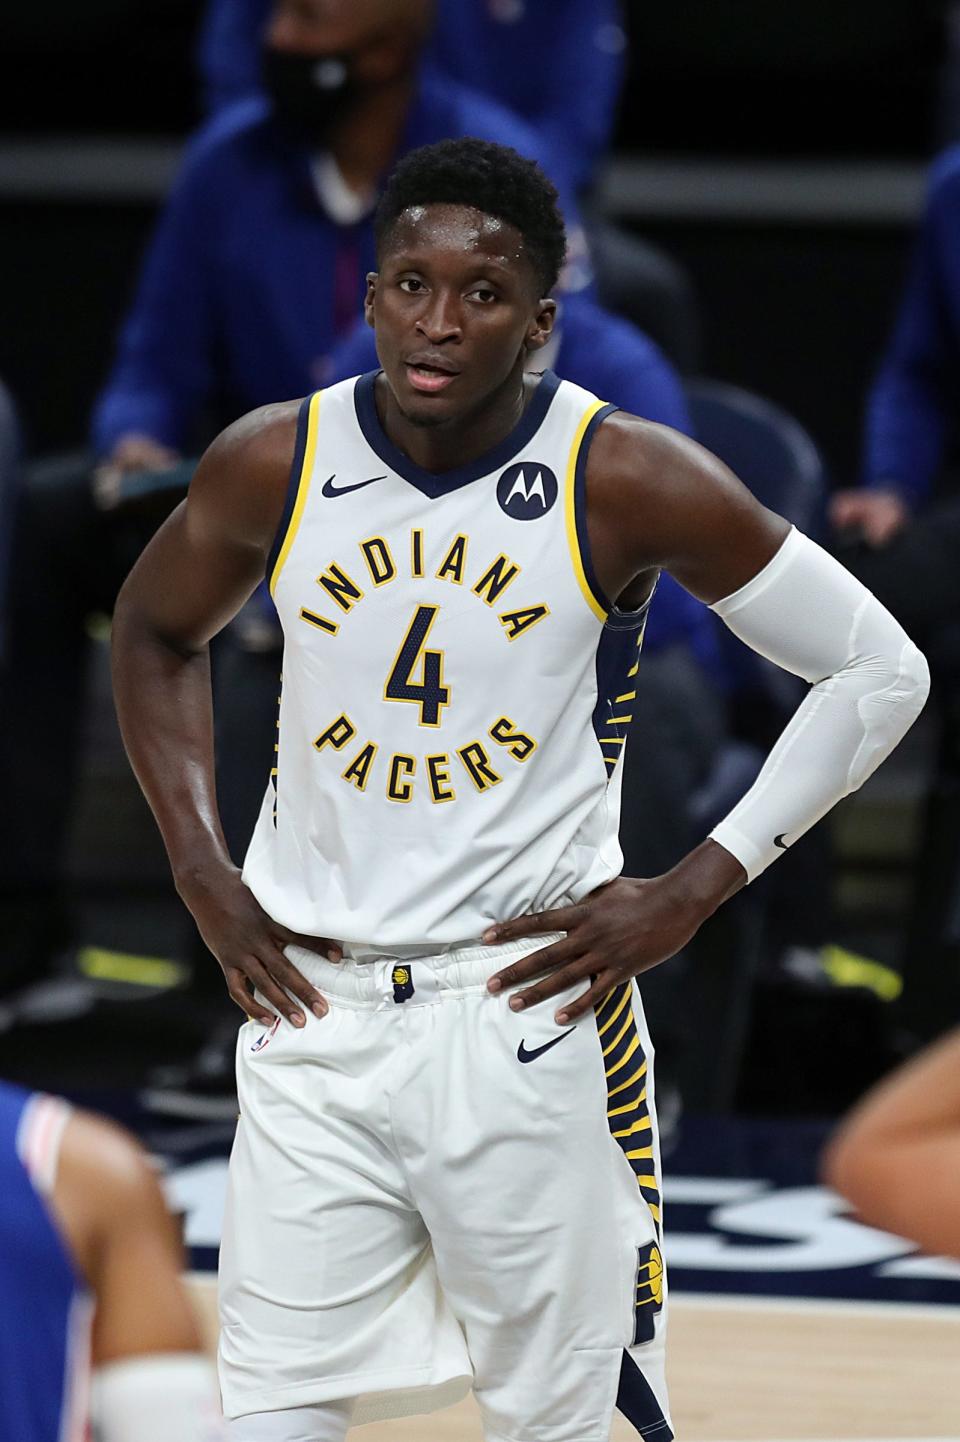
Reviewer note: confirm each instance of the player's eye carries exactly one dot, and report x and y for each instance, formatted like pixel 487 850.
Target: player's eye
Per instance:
pixel 411 285
pixel 484 294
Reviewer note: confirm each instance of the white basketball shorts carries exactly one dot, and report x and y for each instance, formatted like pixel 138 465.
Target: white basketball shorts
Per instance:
pixel 429 1192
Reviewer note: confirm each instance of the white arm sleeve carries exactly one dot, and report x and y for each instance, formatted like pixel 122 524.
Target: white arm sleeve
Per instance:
pixel 805 612
pixel 169 1397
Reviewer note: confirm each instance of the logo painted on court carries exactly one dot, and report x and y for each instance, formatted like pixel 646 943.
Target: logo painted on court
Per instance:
pixel 527 491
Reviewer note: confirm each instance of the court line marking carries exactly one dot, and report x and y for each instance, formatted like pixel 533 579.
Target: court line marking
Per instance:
pixel 735 1302
pixel 732 1301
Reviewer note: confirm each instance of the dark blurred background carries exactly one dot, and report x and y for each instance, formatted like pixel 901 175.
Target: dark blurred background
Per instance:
pixel 777 151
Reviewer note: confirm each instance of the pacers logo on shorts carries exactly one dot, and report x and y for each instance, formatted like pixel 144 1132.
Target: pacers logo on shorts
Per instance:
pixel 402 983
pixel 649 1291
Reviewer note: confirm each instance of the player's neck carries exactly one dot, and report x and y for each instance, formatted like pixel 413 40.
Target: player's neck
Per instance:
pixel 447 447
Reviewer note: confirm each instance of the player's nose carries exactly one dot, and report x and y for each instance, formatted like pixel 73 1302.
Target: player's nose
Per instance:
pixel 442 319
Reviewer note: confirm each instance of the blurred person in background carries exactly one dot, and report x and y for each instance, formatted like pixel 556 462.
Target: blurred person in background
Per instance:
pixel 908 1126
pixel 560 66
pixel 91 1269
pixel 906 513
pixel 257 266
pixel 568 92
pixel 900 532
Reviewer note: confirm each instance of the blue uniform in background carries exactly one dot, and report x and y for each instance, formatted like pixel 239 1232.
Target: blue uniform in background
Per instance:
pixel 558 63
pixel 46 1312
pixel 912 408
pixel 248 283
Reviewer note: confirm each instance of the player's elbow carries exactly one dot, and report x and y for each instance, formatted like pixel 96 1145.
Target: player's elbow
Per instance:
pixel 897 692
pixel 847 1166
pixel 914 678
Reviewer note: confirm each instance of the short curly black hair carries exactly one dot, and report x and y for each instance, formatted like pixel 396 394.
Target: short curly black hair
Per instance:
pixel 491 178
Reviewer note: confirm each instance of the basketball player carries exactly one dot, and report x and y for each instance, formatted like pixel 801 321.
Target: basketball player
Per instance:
pixel 90 1266
pixel 436 1181
pixel 908 1126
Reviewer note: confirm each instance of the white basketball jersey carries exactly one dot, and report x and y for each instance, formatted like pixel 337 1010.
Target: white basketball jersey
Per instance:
pixel 456 689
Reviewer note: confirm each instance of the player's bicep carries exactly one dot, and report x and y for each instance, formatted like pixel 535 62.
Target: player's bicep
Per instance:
pixel 192 578
pixel 141 1303
pixel 663 502
pixel 113 1217
pixel 716 534
pixel 211 553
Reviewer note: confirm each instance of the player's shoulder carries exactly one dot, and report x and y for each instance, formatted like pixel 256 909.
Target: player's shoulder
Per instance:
pixel 649 472
pixel 104 1184
pixel 100 1158
pixel 105 1188
pixel 240 486
pixel 264 438
pixel 642 449
pixel 225 142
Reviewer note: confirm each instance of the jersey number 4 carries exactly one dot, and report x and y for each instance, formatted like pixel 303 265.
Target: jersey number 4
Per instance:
pixel 426 690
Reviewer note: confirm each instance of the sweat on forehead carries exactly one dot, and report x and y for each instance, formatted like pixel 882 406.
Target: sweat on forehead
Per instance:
pixel 478 176
pixel 450 226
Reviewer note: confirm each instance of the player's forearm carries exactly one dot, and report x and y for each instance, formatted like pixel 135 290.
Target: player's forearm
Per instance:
pixel 706 877
pixel 806 613
pixel 165 710
pixel 908 1126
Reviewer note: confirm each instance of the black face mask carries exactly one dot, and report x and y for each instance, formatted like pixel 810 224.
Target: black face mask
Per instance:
pixel 310 93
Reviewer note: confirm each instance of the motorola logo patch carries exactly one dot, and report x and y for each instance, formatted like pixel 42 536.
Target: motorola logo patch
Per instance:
pixel 527 491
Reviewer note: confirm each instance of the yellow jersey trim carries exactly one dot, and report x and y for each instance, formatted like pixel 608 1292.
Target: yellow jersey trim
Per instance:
pixel 573 539
pixel 303 486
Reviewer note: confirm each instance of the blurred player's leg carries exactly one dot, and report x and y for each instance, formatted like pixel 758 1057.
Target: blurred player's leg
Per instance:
pixel 324 1422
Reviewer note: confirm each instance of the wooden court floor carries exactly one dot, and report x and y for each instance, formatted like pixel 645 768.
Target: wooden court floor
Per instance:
pixel 748 1368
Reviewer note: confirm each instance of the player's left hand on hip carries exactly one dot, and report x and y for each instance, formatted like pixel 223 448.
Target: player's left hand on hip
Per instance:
pixel 618 931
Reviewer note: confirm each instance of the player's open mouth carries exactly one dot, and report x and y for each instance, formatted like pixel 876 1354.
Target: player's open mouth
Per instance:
pixel 429 379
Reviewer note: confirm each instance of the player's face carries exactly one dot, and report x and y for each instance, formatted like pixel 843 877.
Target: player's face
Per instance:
pixel 455 309
pixel 380 36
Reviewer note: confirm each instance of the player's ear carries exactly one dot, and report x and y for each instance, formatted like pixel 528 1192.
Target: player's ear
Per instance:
pixel 370 296
pixel 541 327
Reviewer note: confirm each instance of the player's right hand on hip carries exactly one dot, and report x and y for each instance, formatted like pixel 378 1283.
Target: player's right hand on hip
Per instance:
pixel 249 945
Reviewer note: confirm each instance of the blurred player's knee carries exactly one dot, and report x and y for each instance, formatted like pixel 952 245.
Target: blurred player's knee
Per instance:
pixel 322 1422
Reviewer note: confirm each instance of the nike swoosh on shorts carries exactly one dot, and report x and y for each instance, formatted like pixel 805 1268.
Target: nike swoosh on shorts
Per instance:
pixel 524 1055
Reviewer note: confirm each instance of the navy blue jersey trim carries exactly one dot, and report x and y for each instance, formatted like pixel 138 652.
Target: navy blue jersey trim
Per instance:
pixel 580 507
pixel 630 620
pixel 293 487
pixel 440 483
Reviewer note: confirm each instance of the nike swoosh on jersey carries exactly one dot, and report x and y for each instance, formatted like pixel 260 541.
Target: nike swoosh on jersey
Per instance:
pixel 329 489
pixel 524 1055
pixel 779 841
